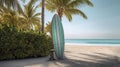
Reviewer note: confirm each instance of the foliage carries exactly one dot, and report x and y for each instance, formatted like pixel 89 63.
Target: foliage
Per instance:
pixel 26 20
pixel 14 4
pixel 16 45
pixel 9 17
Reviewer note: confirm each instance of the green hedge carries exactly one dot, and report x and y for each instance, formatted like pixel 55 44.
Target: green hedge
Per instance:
pixel 16 45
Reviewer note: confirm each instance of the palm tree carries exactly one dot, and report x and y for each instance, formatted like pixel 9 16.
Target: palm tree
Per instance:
pixel 67 7
pixel 27 20
pixel 42 15
pixel 29 16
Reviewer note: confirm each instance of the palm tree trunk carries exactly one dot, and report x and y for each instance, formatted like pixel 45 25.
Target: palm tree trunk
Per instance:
pixel 43 16
pixel 60 12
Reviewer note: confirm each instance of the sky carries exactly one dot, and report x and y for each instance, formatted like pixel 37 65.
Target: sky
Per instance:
pixel 103 21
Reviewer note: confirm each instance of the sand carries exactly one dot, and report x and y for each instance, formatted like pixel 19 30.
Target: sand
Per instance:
pixel 75 56
pixel 87 56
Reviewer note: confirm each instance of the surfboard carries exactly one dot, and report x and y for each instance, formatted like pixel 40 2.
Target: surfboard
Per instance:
pixel 58 36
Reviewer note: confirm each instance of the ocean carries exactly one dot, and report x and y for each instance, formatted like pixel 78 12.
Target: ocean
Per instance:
pixel 113 42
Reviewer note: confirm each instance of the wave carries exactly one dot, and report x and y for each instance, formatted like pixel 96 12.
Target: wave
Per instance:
pixel 93 41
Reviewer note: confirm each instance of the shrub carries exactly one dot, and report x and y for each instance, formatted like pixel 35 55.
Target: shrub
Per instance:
pixel 16 45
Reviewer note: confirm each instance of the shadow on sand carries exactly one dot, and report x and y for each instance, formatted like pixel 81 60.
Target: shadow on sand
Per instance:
pixel 101 60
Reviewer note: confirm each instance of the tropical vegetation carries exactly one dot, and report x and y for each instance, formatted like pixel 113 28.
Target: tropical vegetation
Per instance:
pixel 22 26
pixel 27 19
pixel 20 31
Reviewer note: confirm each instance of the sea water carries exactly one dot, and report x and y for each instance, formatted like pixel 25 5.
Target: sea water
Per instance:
pixel 102 42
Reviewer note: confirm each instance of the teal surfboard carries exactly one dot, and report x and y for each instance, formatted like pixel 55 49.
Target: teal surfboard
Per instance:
pixel 58 36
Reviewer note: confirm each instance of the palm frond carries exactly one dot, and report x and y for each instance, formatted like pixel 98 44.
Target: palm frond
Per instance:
pixel 88 2
pixel 76 12
pixel 50 5
pixel 74 3
pixel 68 15
pixel 37 14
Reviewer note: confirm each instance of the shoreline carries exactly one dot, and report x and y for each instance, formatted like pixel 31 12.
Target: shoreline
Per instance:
pixel 87 44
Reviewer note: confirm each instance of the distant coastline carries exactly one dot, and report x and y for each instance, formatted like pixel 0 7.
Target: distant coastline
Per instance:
pixel 93 41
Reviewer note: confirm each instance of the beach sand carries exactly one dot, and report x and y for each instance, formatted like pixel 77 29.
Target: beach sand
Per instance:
pixel 76 56
pixel 86 56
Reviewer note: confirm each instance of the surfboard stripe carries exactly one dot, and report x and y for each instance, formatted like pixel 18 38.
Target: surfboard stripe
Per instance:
pixel 58 38
pixel 55 38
